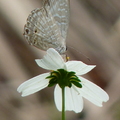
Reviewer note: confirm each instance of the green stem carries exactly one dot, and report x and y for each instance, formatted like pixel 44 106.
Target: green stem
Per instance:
pixel 63 103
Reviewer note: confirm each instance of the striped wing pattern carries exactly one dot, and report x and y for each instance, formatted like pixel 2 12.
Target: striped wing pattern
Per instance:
pixel 47 27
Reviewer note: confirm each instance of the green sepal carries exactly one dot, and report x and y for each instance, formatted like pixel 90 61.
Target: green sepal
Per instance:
pixel 51 77
pixel 75 79
pixel 55 73
pixel 63 78
pixel 51 84
pixel 53 80
pixel 77 84
pixel 70 74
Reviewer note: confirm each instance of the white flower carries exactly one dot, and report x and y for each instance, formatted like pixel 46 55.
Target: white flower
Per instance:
pixel 73 95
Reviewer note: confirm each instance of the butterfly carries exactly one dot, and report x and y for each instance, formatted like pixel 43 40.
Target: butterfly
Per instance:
pixel 47 27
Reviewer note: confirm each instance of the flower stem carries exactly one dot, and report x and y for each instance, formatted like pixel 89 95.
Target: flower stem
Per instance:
pixel 63 103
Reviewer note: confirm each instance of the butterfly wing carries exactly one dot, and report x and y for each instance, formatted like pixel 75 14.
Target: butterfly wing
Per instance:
pixel 42 30
pixel 60 11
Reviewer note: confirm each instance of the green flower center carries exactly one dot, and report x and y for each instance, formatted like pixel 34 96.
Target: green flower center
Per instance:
pixel 63 78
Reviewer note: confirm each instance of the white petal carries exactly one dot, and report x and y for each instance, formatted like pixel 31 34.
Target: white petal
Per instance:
pixel 79 67
pixel 73 100
pixel 34 84
pixel 58 97
pixel 51 61
pixel 92 92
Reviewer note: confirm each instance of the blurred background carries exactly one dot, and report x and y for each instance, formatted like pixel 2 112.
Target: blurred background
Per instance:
pixel 94 32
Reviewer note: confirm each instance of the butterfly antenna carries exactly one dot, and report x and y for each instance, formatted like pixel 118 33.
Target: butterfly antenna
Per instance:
pixel 79 52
